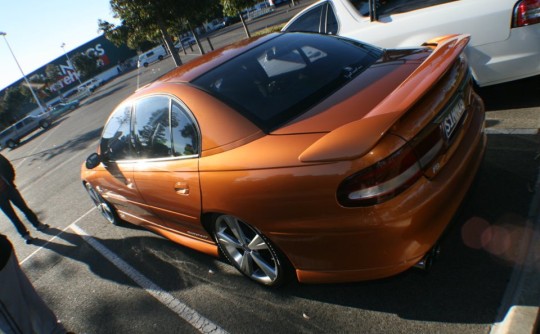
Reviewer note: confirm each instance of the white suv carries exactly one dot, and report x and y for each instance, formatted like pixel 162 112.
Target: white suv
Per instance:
pixel 12 135
pixel 157 53
pixel 505 34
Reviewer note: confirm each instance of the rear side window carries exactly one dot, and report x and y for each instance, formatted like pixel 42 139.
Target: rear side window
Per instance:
pixel 151 128
pixel 390 7
pixel 310 21
pixel 163 128
pixel 184 132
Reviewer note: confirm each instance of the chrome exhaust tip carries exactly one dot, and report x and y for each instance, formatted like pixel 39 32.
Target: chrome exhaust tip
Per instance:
pixel 427 261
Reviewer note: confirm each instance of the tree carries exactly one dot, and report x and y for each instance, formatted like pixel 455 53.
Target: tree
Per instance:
pixel 14 103
pixel 86 64
pixel 235 7
pixel 144 20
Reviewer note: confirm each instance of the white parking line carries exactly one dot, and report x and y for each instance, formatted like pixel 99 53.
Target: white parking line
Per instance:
pixel 40 248
pixel 191 316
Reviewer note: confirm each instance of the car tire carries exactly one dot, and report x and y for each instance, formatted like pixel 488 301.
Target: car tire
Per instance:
pixel 45 124
pixel 249 251
pixel 160 58
pixel 104 207
pixel 145 64
pixel 11 143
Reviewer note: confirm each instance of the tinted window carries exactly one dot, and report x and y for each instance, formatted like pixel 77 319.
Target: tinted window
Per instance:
pixel 331 21
pixel 309 21
pixel 184 132
pixel 278 80
pixel 115 140
pixel 389 7
pixel 152 133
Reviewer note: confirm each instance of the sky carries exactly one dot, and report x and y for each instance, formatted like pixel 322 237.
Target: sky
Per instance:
pixel 36 30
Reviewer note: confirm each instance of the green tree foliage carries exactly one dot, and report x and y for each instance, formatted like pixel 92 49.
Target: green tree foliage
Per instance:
pixel 14 102
pixel 144 20
pixel 52 73
pixel 235 7
pixel 86 64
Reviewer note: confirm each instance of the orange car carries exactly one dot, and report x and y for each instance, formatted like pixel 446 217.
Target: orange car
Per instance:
pixel 336 159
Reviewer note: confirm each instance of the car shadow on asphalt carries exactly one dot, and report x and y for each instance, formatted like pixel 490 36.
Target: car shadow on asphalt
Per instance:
pixel 523 93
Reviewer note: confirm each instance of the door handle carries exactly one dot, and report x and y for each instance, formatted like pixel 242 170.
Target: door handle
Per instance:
pixel 181 188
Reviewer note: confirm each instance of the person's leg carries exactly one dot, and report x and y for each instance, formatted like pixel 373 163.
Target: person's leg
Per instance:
pixel 16 198
pixel 5 205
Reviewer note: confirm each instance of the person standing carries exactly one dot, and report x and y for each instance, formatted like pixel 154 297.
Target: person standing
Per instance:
pixel 9 194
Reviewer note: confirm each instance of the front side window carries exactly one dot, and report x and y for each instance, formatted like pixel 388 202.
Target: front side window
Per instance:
pixel 115 140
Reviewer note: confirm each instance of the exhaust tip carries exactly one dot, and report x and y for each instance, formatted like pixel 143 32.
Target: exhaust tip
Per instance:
pixel 427 261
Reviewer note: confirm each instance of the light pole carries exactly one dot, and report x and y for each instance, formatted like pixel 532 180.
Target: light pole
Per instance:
pixel 24 76
pixel 69 62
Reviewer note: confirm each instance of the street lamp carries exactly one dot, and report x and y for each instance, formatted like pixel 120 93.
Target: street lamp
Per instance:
pixel 69 62
pixel 24 76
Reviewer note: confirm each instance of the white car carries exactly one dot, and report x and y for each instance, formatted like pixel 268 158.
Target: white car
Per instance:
pixel 185 42
pixel 505 34
pixel 90 85
pixel 150 56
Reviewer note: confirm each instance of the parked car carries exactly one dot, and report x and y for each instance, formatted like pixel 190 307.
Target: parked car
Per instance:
pixel 12 135
pixel 185 42
pixel 151 56
pixel 298 153
pixel 90 85
pixel 62 108
pixel 505 34
pixel 70 93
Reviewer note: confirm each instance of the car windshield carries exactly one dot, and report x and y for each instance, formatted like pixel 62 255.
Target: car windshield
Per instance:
pixel 280 79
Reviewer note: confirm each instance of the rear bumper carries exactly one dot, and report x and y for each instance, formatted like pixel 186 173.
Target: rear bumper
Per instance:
pixel 408 227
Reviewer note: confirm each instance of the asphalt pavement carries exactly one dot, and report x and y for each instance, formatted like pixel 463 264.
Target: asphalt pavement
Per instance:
pixel 520 308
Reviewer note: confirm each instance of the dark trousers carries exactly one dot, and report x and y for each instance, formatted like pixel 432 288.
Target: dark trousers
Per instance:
pixel 12 195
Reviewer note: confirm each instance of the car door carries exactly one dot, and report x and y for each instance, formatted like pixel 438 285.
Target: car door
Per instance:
pixel 167 142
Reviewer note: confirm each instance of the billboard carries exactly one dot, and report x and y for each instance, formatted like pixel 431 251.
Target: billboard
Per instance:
pixel 108 55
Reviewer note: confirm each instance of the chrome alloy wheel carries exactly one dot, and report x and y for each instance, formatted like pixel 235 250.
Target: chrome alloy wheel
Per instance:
pixel 103 207
pixel 248 250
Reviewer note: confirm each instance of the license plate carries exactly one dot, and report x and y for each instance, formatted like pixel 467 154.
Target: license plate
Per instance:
pixel 451 121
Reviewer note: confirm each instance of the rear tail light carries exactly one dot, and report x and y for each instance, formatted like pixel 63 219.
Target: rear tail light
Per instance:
pixel 381 181
pixel 393 175
pixel 526 12
pixel 390 177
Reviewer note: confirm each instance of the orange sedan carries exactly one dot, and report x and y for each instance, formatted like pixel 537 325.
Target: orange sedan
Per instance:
pixel 302 154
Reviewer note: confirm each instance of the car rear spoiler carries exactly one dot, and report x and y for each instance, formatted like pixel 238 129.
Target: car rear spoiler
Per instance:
pixel 359 137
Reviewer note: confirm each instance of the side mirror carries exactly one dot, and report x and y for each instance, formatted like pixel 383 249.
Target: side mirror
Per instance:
pixel 93 160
